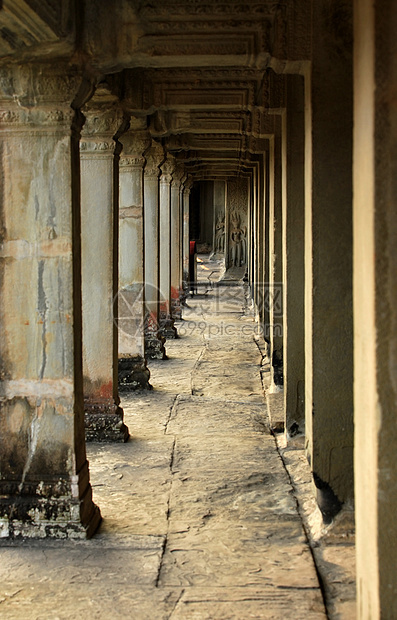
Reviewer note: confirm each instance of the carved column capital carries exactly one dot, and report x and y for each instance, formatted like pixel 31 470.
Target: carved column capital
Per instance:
pixel 154 158
pixel 167 170
pixel 103 118
pixel 188 184
pixel 134 145
pixel 177 176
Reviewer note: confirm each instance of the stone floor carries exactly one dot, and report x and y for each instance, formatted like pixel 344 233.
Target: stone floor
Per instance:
pixel 200 519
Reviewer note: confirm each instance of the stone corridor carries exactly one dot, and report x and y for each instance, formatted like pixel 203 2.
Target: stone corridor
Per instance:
pixel 199 517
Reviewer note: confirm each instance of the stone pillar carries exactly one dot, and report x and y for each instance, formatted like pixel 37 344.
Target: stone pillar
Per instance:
pixel 375 304
pixel 176 249
pixel 186 237
pixel 257 246
pixel 253 244
pixel 154 341
pixel 328 257
pixel 133 371
pixel 275 252
pixel 266 236
pixel 293 259
pixel 99 217
pixel 166 321
pixel 44 487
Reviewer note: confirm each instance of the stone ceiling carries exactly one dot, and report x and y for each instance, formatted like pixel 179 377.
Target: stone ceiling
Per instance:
pixel 201 73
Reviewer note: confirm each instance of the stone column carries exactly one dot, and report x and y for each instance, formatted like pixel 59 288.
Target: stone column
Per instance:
pixel 375 304
pixel 266 236
pixel 293 259
pixel 176 249
pixel 133 371
pixel 275 253
pixel 186 236
pixel 328 257
pixel 154 341
pixel 99 216
pixel 261 240
pixel 166 321
pixel 44 487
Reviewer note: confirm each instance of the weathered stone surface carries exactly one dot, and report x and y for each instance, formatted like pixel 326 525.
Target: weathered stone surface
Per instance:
pixel 199 517
pixel 133 374
pixel 45 489
pixel 104 422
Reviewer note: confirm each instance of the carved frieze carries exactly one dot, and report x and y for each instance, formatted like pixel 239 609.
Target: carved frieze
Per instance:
pixel 131 162
pixel 37 98
pixel 158 9
pixel 208 74
pixel 97 146
pixel 38 117
pixel 238 44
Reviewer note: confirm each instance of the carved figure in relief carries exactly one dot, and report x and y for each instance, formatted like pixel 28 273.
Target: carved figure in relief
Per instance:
pixel 220 234
pixel 238 241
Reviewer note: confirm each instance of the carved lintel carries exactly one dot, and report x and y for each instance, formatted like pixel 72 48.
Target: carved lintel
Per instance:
pixel 37 85
pixel 37 98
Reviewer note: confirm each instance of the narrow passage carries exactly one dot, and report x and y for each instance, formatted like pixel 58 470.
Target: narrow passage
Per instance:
pixel 199 517
pixel 207 484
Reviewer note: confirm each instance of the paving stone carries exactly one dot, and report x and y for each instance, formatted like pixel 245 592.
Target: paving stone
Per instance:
pixel 196 415
pixel 199 517
pixel 221 557
pixel 265 603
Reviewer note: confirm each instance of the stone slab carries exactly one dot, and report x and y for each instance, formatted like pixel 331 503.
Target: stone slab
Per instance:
pixel 264 603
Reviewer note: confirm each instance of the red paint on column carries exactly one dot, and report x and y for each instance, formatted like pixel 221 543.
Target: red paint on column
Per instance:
pixel 106 390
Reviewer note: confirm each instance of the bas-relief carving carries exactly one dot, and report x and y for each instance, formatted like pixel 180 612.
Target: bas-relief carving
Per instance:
pixel 237 205
pixel 95 146
pixel 35 85
pixel 38 97
pixel 36 117
pixel 238 241
pixel 219 244
pixel 128 161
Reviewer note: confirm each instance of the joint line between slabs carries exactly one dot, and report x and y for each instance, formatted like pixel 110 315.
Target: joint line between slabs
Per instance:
pixel 172 412
pixel 164 545
pixel 195 367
